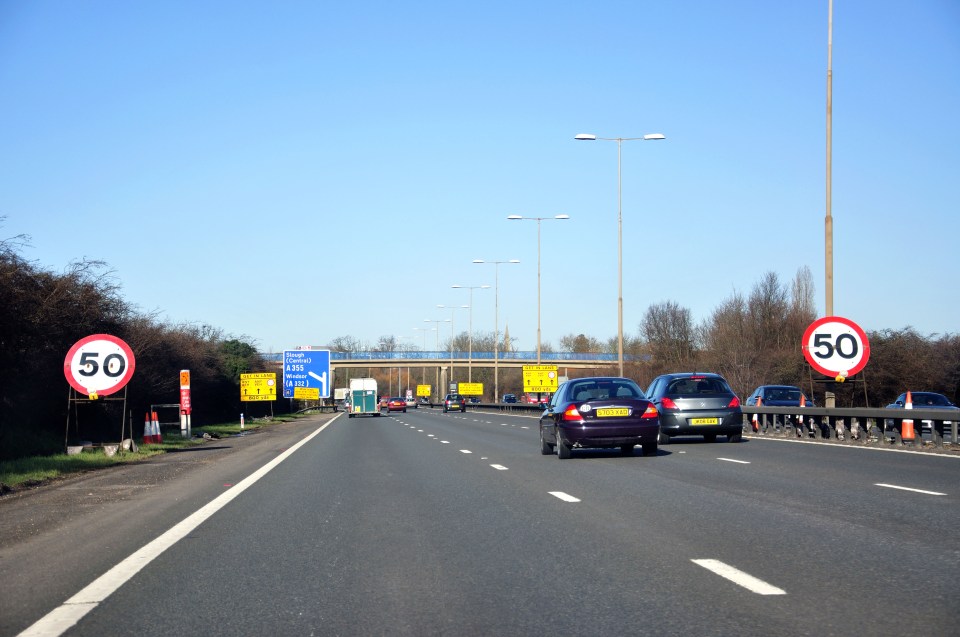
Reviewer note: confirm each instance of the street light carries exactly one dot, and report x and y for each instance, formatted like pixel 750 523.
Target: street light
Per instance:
pixel 496 323
pixel 619 140
pixel 538 220
pixel 423 368
pixel 452 308
pixel 470 354
pixel 438 322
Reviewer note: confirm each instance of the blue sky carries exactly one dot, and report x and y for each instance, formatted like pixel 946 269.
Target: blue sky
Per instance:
pixel 291 172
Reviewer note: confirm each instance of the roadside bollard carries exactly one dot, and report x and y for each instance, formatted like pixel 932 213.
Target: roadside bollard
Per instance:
pixel 241 423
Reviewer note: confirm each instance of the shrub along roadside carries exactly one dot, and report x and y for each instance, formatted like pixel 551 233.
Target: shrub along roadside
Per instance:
pixel 34 471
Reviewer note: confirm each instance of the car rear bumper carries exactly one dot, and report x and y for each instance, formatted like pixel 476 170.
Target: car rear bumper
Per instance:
pixel 679 423
pixel 608 436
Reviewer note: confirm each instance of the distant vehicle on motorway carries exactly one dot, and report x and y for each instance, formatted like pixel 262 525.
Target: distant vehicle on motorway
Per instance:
pixel 922 400
pixel 454 402
pixel 411 401
pixel 509 398
pixel 397 403
pixel 696 404
pixel 778 396
pixel 599 412
pixel 533 399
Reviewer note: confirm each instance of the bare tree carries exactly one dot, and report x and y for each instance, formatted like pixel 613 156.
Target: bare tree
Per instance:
pixel 669 332
pixel 581 344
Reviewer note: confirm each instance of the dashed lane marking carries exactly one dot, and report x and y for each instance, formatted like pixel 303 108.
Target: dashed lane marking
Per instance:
pixel 738 577
pixel 893 486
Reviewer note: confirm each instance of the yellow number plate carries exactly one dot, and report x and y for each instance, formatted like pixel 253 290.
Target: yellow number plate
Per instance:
pixel 603 413
pixel 704 421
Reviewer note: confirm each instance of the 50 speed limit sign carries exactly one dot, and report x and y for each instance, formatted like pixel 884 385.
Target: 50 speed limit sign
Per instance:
pixel 99 364
pixel 836 347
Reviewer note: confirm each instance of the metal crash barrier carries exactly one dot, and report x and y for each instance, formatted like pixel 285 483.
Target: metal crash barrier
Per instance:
pixel 936 427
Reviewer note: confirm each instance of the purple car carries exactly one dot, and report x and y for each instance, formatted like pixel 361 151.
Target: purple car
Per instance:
pixel 600 412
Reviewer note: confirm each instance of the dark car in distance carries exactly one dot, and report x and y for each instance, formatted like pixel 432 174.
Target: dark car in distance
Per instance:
pixel 696 404
pixel 599 412
pixel 509 398
pixel 922 400
pixel 454 402
pixel 778 396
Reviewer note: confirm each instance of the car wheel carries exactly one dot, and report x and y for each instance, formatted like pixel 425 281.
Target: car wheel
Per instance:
pixel 626 450
pixel 710 437
pixel 663 439
pixel 404 410
pixel 734 437
pixel 649 448
pixel 563 451
pixel 545 447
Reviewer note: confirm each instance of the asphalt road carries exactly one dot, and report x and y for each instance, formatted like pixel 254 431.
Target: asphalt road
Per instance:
pixel 427 523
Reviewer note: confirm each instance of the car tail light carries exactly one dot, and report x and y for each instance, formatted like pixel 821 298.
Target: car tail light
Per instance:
pixel 668 403
pixel 734 403
pixel 571 413
pixel 651 412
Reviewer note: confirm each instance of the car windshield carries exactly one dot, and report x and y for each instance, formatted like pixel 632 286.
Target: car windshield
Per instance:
pixel 695 386
pixel 933 400
pixel 783 393
pixel 604 390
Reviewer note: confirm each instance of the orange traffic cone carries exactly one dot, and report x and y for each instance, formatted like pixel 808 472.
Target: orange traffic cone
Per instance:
pixel 803 403
pixel 147 430
pixel 907 432
pixel 756 425
pixel 157 437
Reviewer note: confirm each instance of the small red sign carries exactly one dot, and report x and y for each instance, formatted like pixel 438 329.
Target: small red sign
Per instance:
pixel 185 401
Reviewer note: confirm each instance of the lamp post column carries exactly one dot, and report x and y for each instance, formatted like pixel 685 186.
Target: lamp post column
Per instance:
pixel 538 220
pixel 496 323
pixel 619 140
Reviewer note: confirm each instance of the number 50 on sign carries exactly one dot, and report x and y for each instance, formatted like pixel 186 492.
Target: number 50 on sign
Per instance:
pixel 836 346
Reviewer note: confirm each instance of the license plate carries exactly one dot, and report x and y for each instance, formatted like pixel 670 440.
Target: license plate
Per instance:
pixel 610 411
pixel 704 421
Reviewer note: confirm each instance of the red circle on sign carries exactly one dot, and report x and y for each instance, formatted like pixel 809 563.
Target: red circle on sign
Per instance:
pixel 99 364
pixel 834 345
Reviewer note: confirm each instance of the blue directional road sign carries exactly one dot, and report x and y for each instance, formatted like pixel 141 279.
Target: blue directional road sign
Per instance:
pixel 306 368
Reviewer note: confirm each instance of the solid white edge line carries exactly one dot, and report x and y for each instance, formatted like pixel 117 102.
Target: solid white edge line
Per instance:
pixel 65 616
pixel 798 441
pixel 739 578
pixel 566 497
pixel 893 486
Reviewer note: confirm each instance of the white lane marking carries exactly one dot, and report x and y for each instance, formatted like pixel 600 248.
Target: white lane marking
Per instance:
pixel 732 460
pixel 465 451
pixel 740 578
pixel 524 427
pixel 62 618
pixel 566 497
pixel 430 436
pixel 446 442
pixel 499 467
pixel 420 431
pixel 893 486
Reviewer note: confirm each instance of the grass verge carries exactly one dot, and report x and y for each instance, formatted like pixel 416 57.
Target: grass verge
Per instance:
pixel 32 471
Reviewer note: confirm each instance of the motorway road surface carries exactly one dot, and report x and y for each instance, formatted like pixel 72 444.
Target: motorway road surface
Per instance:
pixel 424 523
